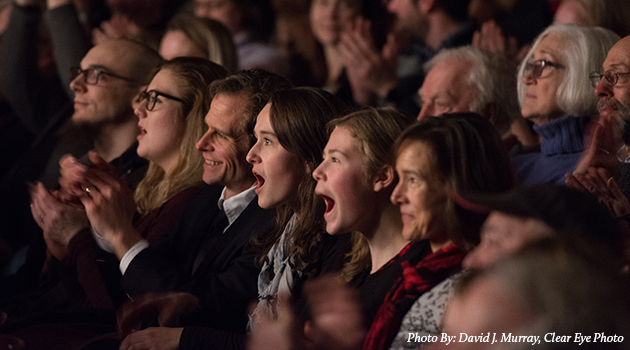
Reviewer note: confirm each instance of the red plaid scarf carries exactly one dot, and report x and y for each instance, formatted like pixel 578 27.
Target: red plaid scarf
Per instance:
pixel 416 280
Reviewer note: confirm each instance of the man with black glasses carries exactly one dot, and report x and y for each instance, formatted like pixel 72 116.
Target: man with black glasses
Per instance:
pixel 108 81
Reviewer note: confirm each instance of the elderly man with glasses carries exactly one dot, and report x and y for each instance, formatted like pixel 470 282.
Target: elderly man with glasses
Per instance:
pixel 609 151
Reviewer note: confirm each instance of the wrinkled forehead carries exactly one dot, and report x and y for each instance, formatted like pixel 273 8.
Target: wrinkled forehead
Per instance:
pixel 618 57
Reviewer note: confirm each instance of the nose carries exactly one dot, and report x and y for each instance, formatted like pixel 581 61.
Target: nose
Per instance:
pixel 252 155
pixel 204 144
pixel 397 195
pixel 426 111
pixel 528 77
pixel 77 84
pixel 141 109
pixel 602 89
pixel 318 173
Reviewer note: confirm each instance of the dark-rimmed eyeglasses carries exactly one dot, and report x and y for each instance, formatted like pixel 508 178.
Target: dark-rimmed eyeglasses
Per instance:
pixel 537 67
pixel 93 74
pixel 610 77
pixel 152 97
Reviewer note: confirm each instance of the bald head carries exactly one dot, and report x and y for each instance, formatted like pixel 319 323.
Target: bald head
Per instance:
pixel 124 69
pixel 614 100
pixel 128 58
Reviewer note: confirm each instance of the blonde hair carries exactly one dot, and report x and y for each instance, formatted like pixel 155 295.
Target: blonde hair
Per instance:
pixel 194 75
pixel 210 36
pixel 375 129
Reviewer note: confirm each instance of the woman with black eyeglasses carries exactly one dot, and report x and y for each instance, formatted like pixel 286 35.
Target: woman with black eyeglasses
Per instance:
pixel 171 119
pixel 555 93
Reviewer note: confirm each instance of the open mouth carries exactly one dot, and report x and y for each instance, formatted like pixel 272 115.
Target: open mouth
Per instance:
pixel 261 181
pixel 143 132
pixel 330 203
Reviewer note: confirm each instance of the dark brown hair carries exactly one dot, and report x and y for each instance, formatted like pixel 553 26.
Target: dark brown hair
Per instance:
pixel 298 118
pixel 469 156
pixel 257 85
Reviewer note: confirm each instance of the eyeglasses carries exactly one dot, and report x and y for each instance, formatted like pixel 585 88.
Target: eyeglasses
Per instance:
pixel 538 66
pixel 93 74
pixel 152 96
pixel 610 77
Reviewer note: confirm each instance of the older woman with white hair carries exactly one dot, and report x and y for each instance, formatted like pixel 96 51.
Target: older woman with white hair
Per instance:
pixel 555 94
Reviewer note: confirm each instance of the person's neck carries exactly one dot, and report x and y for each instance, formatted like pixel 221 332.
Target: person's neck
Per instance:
pixel 334 65
pixel 234 189
pixel 440 27
pixel 385 240
pixel 113 140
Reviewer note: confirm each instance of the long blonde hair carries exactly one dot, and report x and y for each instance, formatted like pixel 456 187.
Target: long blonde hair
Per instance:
pixel 195 74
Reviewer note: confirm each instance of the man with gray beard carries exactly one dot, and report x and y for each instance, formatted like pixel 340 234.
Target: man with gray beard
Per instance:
pixel 609 150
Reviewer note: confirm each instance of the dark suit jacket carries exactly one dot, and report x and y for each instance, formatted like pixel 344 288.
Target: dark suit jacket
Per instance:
pixel 226 280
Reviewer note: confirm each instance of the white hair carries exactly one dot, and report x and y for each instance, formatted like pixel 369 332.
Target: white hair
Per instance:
pixel 492 76
pixel 585 49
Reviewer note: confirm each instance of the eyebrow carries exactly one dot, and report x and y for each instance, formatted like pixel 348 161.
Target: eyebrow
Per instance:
pixel 99 66
pixel 335 151
pixel 215 129
pixel 263 132
pixel 618 65
pixel 410 172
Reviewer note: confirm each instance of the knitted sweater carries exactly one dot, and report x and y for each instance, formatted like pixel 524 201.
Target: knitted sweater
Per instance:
pixel 561 147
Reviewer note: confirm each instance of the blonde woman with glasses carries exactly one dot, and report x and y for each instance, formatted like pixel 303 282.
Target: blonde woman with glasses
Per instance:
pixel 171 119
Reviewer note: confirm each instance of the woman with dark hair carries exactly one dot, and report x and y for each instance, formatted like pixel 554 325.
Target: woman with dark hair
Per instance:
pixel 291 135
pixel 434 158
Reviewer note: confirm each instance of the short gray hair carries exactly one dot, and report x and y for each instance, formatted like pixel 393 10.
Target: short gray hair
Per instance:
pixel 585 51
pixel 492 76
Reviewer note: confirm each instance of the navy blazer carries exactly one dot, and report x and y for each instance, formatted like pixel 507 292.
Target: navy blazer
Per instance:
pixel 226 280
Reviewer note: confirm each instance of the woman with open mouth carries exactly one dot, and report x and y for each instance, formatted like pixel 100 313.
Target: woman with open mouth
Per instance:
pixel 356 180
pixel 291 135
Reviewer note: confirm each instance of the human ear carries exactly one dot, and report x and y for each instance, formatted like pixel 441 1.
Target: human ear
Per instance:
pixel 384 178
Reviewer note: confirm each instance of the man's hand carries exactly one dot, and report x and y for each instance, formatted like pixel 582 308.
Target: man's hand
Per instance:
pixel 167 308
pixel 60 221
pixel 108 203
pixel 154 338
pixel 599 182
pixel 601 148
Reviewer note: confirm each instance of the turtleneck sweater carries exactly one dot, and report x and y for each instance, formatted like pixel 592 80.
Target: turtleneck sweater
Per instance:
pixel 561 147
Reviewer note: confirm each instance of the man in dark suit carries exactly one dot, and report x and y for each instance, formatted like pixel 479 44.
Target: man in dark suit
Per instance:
pixel 210 255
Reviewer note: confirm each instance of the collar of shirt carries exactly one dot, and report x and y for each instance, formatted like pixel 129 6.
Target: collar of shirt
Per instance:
pixel 234 206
